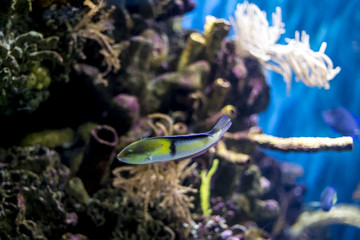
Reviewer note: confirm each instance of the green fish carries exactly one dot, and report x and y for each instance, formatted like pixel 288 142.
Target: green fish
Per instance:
pixel 168 148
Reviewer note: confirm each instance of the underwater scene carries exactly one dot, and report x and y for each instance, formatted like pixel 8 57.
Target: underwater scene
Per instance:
pixel 179 119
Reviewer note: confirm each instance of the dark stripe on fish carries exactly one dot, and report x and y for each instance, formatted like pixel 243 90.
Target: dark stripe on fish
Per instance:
pixel 186 137
pixel 172 147
pixel 176 138
pixel 179 138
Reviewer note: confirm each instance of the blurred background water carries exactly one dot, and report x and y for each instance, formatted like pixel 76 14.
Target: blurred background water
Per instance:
pixel 299 113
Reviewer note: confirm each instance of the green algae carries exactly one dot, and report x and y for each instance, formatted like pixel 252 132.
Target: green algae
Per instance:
pixel 49 138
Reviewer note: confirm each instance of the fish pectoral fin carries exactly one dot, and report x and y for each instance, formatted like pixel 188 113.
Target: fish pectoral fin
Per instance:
pixel 149 156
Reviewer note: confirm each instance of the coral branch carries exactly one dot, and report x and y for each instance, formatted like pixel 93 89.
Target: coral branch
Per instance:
pixel 340 214
pixel 166 129
pixel 194 46
pixel 215 30
pixel 219 92
pixel 205 188
pixel 95 30
pixel 296 144
pixel 231 156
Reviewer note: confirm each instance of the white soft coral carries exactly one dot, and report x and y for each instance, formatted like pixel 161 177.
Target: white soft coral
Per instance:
pixel 254 37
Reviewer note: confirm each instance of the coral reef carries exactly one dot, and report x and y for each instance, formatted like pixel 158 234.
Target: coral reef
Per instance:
pixel 32 178
pixel 80 80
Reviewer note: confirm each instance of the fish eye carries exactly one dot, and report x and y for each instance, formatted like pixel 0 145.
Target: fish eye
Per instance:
pixel 130 151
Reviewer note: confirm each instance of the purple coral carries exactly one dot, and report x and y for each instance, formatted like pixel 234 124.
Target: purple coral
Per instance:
pixel 124 111
pixel 98 156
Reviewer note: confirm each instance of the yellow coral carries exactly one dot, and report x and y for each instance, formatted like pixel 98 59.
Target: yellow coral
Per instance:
pixel 205 188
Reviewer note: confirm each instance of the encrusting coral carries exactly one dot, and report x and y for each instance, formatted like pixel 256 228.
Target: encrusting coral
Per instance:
pixel 32 178
pixel 24 80
pixel 49 138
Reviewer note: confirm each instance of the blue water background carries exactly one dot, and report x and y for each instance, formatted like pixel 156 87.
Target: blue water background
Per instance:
pixel 299 114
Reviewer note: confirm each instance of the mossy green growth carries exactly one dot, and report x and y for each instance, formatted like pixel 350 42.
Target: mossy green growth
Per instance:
pixel 39 78
pixel 205 188
pixel 49 138
pixel 85 129
pixel 75 188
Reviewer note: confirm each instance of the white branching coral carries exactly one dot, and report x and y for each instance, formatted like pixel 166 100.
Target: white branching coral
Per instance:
pixel 254 37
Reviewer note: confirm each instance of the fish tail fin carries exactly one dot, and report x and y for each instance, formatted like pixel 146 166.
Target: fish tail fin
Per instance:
pixel 221 126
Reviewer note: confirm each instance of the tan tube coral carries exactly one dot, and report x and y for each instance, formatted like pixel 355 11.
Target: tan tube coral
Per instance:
pixel 340 214
pixel 296 144
pixel 194 46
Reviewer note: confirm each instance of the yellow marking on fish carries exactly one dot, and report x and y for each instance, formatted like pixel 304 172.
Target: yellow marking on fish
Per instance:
pixel 163 148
